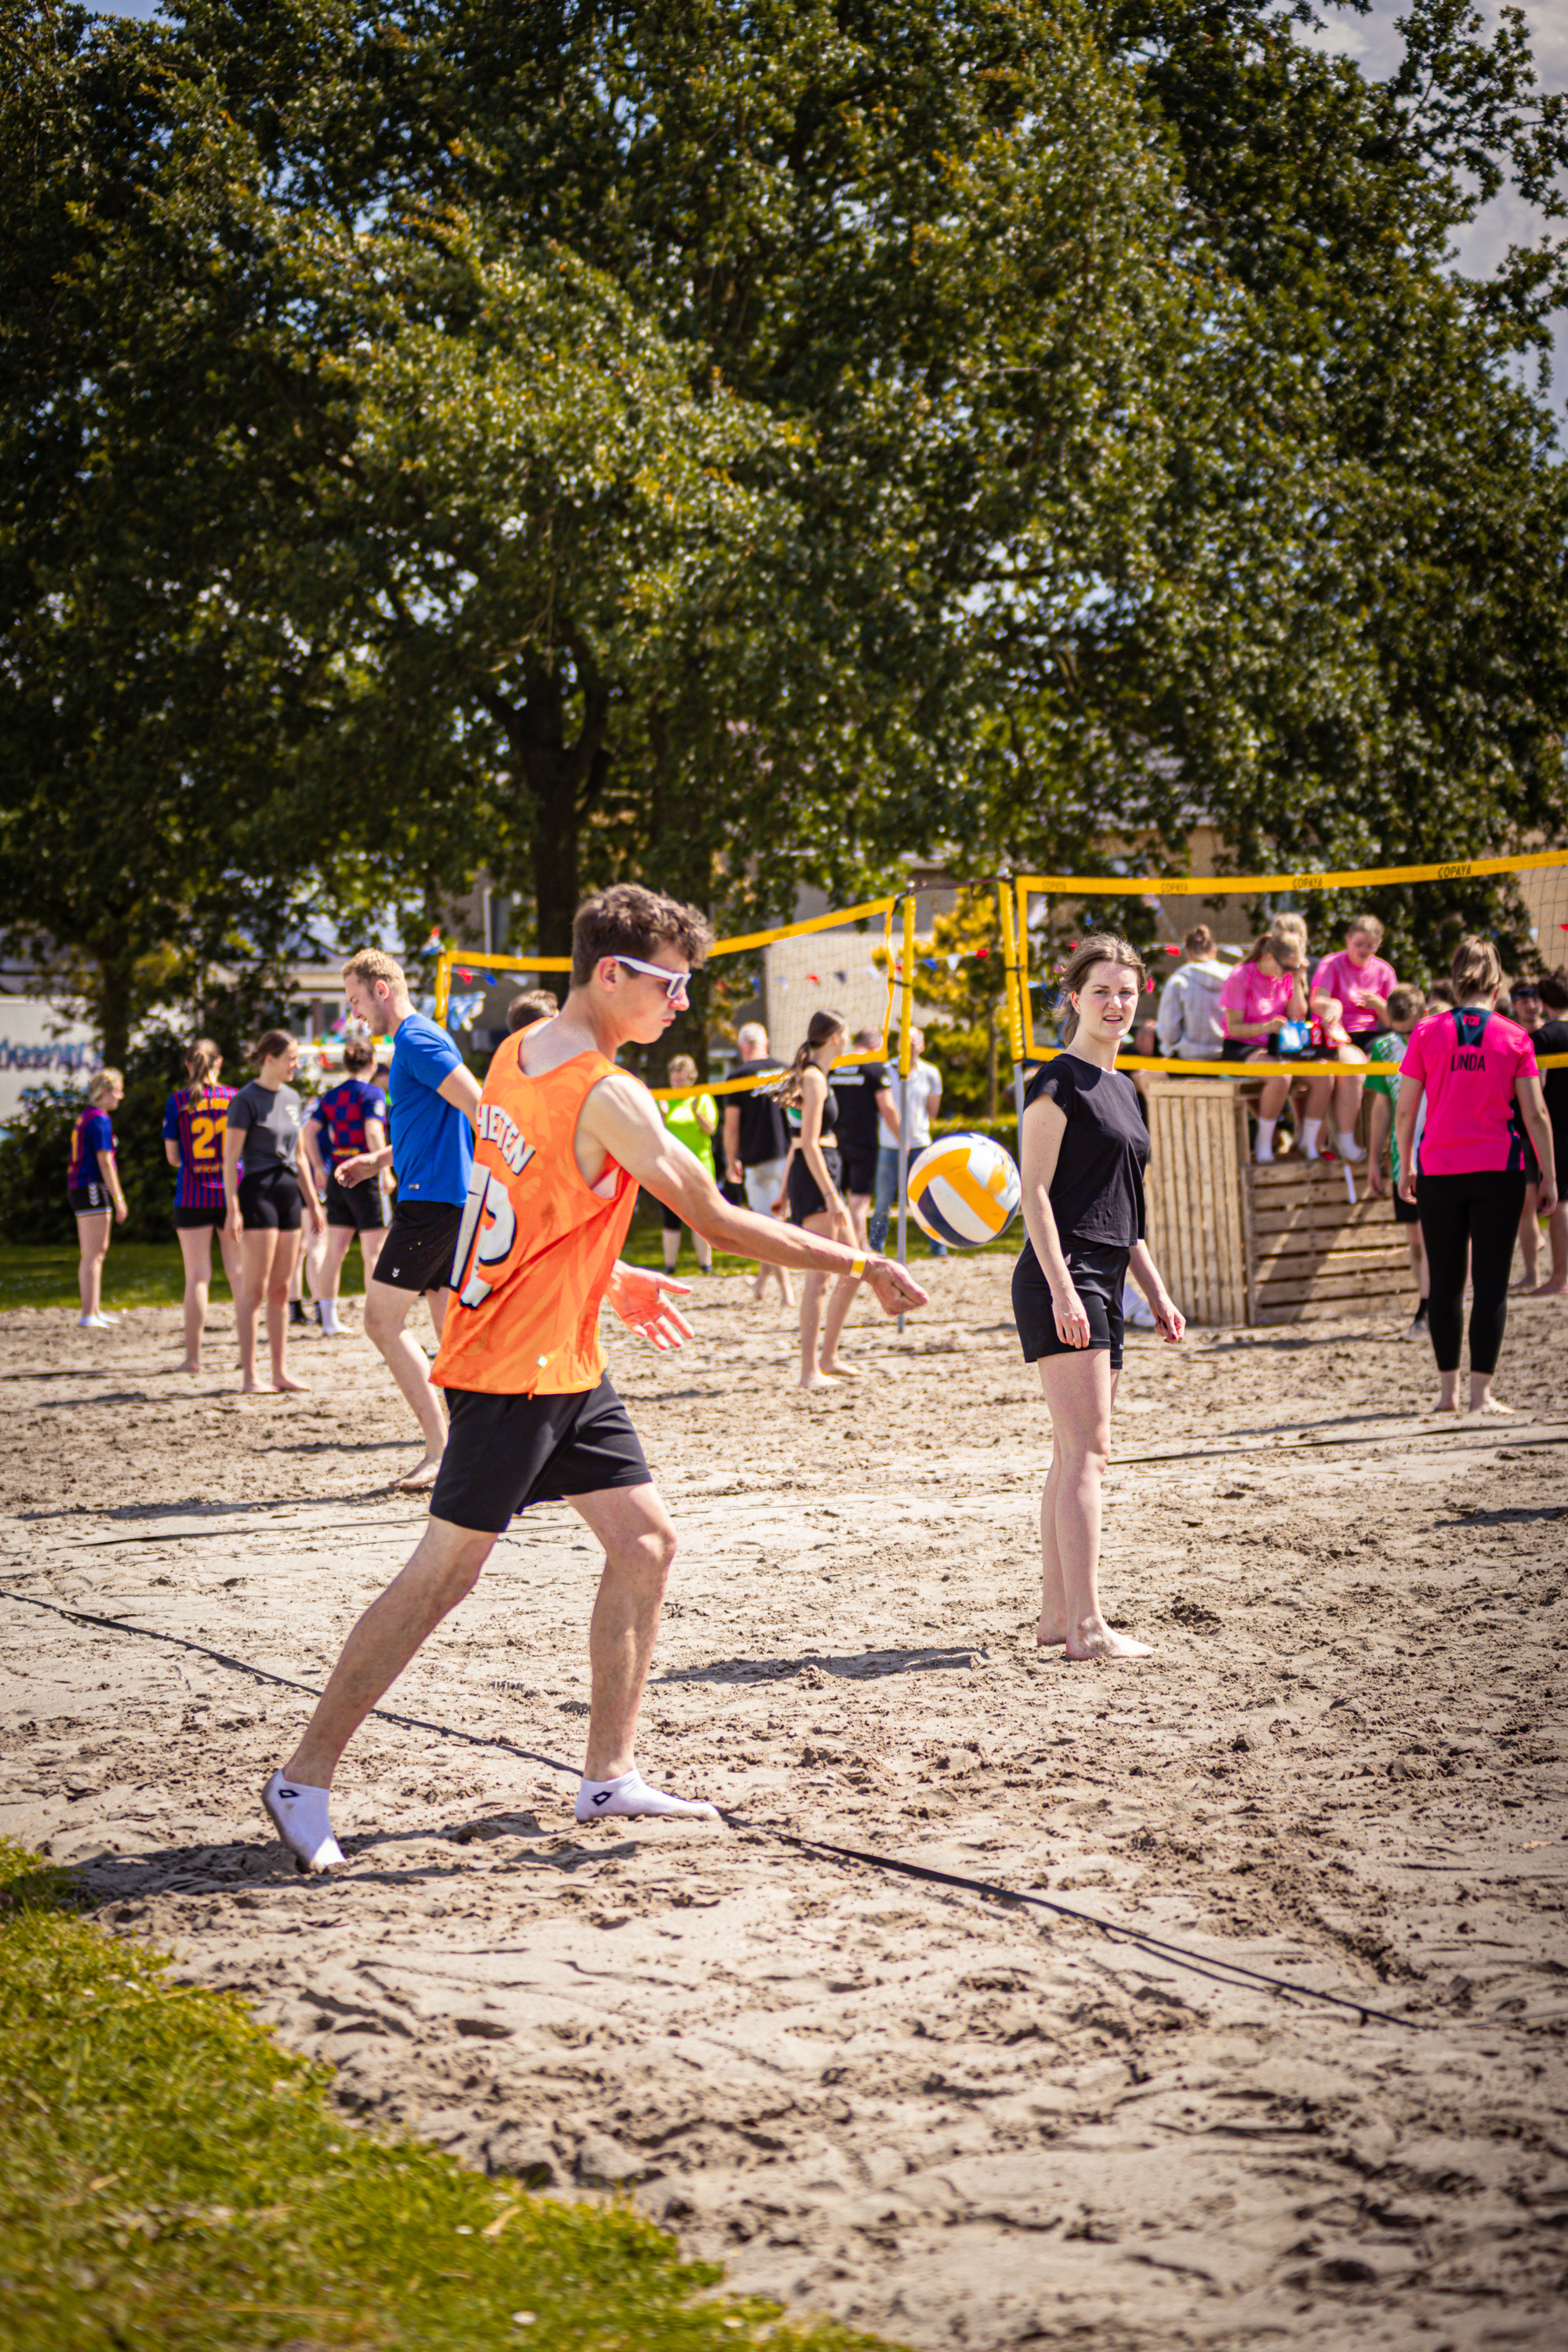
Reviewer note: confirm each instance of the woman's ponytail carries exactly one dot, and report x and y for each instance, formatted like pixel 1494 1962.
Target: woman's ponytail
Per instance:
pixel 823 1025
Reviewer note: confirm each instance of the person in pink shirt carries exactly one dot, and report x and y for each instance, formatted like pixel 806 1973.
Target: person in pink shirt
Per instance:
pixel 1257 999
pixel 1477 1075
pixel 1359 982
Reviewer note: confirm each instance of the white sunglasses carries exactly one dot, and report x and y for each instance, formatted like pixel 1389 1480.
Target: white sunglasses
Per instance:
pixel 675 984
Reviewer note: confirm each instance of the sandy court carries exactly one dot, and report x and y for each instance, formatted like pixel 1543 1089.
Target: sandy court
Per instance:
pixel 955 2123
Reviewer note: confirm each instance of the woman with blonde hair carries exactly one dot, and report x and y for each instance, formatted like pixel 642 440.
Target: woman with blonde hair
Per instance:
pixel 815 1203
pixel 93 1189
pixel 1265 991
pixel 194 1119
pixel 266 1203
pixel 1084 1149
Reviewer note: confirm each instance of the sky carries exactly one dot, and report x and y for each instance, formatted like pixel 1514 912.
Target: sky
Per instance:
pixel 1373 40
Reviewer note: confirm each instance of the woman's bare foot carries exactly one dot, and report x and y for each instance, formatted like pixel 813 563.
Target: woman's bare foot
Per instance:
pixel 839 1370
pixel 253 1388
pixel 1551 1289
pixel 1525 1287
pixel 1446 1404
pixel 1049 1637
pixel 1092 1641
pixel 419 1478
pixel 1490 1404
pixel 819 1380
pixel 187 1367
pixel 287 1385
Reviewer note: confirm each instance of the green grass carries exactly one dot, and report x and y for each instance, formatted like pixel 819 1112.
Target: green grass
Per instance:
pixel 173 2182
pixel 135 1274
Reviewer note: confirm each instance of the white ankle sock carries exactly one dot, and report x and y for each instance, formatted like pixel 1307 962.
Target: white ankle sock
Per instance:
pixel 299 1814
pixel 1349 1147
pixel 328 1315
pixel 629 1797
pixel 1310 1130
pixel 1266 1127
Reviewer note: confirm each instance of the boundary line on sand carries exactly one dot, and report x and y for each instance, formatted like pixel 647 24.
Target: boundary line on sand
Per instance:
pixel 1215 1967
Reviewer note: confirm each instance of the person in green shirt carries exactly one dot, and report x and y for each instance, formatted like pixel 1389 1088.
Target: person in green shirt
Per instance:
pixel 692 1120
pixel 1406 1010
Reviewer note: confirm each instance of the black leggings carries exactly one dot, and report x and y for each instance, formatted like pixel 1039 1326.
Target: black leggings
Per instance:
pixel 1468 1224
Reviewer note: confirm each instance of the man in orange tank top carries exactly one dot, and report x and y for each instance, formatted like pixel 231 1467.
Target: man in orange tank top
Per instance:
pixel 565 1140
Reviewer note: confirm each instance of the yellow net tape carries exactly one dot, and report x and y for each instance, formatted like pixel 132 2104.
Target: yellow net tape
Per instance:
pixel 453 959
pixel 1221 886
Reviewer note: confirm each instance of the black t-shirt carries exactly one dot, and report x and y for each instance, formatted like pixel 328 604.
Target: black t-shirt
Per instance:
pixel 1552 1037
pixel 1096 1192
pixel 763 1135
pixel 856 1088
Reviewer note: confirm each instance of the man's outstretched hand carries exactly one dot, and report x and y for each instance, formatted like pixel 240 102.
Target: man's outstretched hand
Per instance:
pixel 642 1300
pixel 895 1286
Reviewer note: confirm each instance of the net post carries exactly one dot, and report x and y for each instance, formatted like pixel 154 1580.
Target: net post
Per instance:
pixel 1015 990
pixel 905 1023
pixel 444 964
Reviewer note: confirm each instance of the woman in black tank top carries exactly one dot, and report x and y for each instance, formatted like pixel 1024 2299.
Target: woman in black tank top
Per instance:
pixel 815 1203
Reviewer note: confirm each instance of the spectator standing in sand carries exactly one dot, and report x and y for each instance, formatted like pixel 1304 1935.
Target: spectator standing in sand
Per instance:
pixel 432 1103
pixel 756 1145
pixel 1359 982
pixel 196 1117
pixel 1256 1001
pixel 1475 1074
pixel 95 1192
pixel 1525 1007
pixel 268 1205
pixel 922 1099
pixel 1552 1037
pixel 1189 1025
pixel 1085 1147
pixel 864 1094
pixel 347 1119
pixel 1407 1011
pixel 692 1121
pixel 815 1202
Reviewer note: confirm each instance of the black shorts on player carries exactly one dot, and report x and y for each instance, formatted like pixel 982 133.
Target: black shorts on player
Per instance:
pixel 504 1453
pixel 361 1207
pixel 420 1243
pixel 805 1198
pixel 88 1200
pixel 1098 1275
pixel 860 1169
pixel 190 1221
pixel 271 1200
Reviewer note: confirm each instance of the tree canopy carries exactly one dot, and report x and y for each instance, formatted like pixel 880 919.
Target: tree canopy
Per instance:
pixel 741 445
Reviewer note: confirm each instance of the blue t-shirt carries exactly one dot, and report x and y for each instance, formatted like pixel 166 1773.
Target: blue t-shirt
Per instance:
pixel 93 1134
pixel 432 1141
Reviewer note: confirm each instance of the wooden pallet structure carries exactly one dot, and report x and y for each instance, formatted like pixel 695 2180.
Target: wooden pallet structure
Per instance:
pixel 1239 1243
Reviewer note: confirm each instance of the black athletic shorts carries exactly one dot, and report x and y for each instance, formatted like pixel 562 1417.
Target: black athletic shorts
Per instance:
pixel 190 1221
pixel 361 1207
pixel 860 1169
pixel 271 1200
pixel 1097 1273
pixel 804 1192
pixel 506 1452
pixel 1406 1212
pixel 88 1200
pixel 420 1243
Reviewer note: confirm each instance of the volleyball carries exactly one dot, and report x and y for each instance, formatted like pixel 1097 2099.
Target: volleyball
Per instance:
pixel 965 1191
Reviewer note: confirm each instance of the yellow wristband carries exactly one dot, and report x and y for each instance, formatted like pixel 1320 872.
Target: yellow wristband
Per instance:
pixel 857 1264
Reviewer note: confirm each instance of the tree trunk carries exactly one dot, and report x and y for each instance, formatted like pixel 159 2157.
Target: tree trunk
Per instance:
pixel 110 1007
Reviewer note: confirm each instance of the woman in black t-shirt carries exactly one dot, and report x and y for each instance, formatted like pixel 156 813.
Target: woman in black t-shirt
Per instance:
pixel 1084 1149
pixel 815 1203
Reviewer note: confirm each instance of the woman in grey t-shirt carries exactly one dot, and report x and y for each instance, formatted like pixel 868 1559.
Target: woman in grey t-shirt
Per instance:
pixel 266 1203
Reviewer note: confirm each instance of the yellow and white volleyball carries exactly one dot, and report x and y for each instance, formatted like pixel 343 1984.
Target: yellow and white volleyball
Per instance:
pixel 965 1191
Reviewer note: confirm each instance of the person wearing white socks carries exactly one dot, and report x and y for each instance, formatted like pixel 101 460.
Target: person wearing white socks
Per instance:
pixel 565 1140
pixel 1349 996
pixel 346 1120
pixel 1264 991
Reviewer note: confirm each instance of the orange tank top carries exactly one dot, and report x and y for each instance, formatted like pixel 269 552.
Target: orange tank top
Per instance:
pixel 537 1247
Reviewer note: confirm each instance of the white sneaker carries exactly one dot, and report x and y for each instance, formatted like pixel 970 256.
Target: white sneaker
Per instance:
pixel 1136 1311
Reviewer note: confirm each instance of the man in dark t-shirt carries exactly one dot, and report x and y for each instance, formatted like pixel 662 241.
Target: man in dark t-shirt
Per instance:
pixel 863 1091
pixel 756 1143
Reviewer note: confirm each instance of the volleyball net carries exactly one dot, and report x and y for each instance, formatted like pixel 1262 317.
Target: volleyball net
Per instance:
pixel 816 968
pixel 1521 902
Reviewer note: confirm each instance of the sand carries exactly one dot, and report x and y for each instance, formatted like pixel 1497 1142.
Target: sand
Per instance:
pixel 960 2124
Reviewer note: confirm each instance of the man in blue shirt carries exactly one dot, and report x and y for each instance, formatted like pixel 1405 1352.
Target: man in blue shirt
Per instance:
pixel 432 1102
